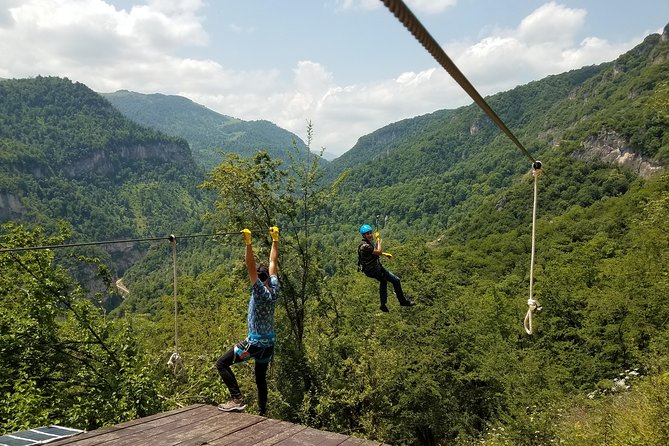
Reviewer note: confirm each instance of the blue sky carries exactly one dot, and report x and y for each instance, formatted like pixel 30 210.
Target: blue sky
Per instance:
pixel 348 66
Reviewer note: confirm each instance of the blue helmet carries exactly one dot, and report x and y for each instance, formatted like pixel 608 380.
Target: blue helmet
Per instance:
pixel 364 229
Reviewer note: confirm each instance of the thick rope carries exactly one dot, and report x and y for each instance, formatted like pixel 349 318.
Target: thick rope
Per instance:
pixel 175 359
pixel 531 302
pixel 404 15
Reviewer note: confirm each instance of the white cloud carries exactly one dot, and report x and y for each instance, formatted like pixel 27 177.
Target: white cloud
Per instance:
pixel 430 6
pixel 91 41
pixel 159 29
pixel 358 4
pixel 551 23
pixel 6 19
pixel 240 29
pixel 176 7
pixel 544 43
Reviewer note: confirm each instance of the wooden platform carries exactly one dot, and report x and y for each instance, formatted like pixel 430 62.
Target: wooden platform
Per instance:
pixel 206 425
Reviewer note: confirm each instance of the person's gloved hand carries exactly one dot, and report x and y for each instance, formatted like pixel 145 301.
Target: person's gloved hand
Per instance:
pixel 274 232
pixel 387 255
pixel 247 235
pixel 377 235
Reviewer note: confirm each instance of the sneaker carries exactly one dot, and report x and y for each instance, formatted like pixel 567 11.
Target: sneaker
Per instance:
pixel 384 308
pixel 234 405
pixel 408 303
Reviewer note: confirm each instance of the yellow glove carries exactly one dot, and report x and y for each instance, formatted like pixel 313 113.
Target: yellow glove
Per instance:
pixel 247 235
pixel 274 232
pixel 377 235
pixel 387 254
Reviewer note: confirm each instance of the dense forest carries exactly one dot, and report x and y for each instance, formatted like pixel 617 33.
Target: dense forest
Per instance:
pixel 69 157
pixel 452 198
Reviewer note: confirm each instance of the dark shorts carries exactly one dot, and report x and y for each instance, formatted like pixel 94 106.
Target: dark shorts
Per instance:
pixel 245 351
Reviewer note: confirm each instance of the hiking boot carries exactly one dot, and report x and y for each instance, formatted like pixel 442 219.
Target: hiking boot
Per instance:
pixel 383 308
pixel 408 303
pixel 234 405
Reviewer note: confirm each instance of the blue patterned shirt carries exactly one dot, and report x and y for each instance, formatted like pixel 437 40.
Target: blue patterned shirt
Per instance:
pixel 261 312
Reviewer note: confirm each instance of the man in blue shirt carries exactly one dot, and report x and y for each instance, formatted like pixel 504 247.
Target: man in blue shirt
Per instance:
pixel 259 344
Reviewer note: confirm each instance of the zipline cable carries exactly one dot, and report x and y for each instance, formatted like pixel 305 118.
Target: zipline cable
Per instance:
pixel 411 22
pixel 134 240
pixel 72 245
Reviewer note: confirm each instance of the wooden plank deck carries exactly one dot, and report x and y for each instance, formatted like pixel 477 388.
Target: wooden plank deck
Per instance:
pixel 201 424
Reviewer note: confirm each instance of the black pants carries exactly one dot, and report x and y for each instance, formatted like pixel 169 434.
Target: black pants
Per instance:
pixel 261 354
pixel 384 276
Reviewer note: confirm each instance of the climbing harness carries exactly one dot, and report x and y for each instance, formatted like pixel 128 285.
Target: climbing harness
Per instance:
pixel 175 359
pixel 532 304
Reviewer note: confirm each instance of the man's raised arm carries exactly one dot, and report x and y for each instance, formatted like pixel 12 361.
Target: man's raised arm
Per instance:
pixel 248 257
pixel 274 252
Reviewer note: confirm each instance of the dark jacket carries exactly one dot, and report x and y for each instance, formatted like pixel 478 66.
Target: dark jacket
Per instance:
pixel 368 262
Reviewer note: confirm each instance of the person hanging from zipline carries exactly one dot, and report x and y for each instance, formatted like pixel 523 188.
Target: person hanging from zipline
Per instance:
pixel 259 344
pixel 369 263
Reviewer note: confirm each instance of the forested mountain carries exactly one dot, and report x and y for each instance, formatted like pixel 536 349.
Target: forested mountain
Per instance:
pixel 67 154
pixel 458 368
pixel 209 134
pixel 451 160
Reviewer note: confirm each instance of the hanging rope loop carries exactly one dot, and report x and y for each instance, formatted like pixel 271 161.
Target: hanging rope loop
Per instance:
pixel 532 307
pixel 532 304
pixel 175 359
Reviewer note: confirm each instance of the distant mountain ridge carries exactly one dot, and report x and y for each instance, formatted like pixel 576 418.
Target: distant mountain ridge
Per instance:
pixel 67 154
pixel 542 112
pixel 209 133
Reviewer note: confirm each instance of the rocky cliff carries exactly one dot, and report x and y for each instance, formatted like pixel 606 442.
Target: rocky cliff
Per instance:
pixel 105 162
pixel 608 146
